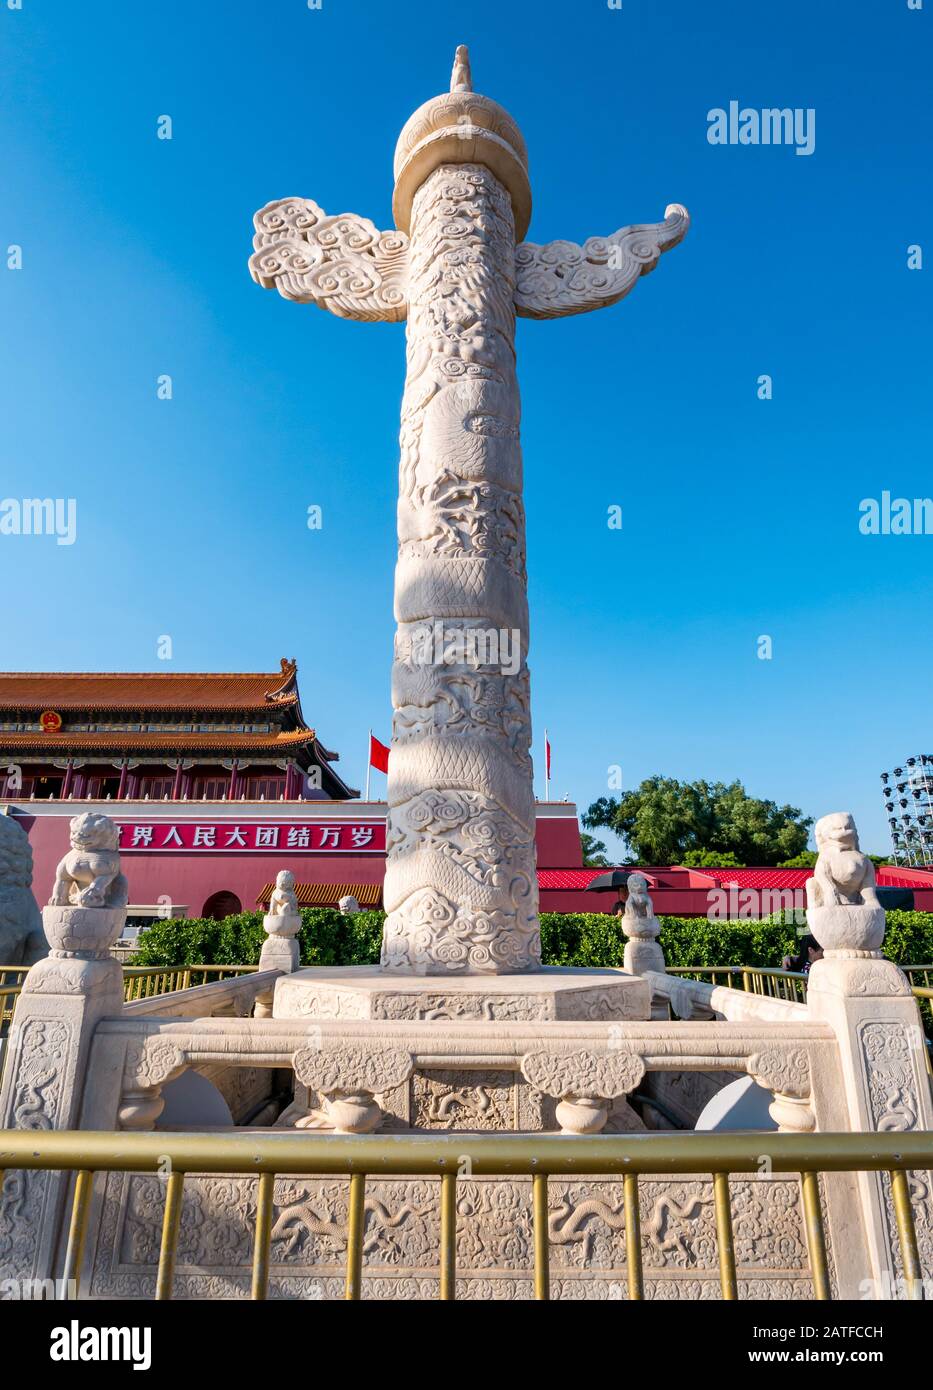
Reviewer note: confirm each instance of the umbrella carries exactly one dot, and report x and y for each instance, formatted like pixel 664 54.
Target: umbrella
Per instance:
pixel 611 881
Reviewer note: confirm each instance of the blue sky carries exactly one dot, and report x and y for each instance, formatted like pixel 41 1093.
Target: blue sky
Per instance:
pixel 740 516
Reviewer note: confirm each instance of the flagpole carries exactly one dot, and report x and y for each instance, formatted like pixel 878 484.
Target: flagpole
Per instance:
pixel 369 761
pixel 547 771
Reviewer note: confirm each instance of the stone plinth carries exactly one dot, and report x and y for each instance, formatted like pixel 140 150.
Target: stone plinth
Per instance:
pixel 280 949
pixel 365 992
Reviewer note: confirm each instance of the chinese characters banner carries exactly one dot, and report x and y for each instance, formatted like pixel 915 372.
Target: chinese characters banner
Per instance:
pixel 311 837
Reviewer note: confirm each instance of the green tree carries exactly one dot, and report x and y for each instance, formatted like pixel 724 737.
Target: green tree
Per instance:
pixel 594 852
pixel 662 820
pixel 710 859
pixel 807 860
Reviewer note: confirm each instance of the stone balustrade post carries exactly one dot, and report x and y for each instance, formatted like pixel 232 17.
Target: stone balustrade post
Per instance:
pixel 643 951
pixel 63 999
pixel 868 1003
pixel 282 923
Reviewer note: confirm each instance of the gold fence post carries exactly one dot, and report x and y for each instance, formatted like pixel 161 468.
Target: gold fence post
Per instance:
pixel 263 1238
pixel 77 1231
pixel 448 1288
pixel 356 1219
pixel 636 1286
pixel 541 1242
pixel 727 1278
pixel 169 1247
pixel 907 1234
pixel 816 1239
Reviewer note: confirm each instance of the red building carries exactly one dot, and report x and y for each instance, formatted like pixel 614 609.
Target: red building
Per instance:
pixel 161 737
pixel 217 782
pixel 726 893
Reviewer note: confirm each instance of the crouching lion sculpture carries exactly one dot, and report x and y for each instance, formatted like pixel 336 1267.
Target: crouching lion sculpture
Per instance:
pixel 843 875
pixel 89 875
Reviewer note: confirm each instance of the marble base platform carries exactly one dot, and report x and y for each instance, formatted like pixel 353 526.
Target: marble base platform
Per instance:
pixel 554 992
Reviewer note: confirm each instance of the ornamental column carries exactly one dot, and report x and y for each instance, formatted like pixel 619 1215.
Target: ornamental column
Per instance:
pixel 460 886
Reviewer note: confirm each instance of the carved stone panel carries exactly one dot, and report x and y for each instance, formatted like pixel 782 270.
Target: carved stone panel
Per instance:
pixel 586 1226
pixel 890 1051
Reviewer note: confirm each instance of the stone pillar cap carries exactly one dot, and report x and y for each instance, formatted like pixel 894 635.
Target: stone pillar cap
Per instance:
pixel 461 127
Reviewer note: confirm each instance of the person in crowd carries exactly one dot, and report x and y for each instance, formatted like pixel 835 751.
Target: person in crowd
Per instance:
pixel 810 951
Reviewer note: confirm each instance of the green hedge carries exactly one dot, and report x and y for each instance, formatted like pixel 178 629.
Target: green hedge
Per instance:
pixel 574 938
pixel 327 937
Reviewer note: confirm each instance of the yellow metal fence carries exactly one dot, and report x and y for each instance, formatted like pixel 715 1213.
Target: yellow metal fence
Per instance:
pixel 146 981
pixel 360 1157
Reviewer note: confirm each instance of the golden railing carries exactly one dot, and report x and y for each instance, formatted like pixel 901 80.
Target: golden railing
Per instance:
pixel 146 981
pixel 777 984
pixel 784 984
pixel 8 997
pixel 360 1157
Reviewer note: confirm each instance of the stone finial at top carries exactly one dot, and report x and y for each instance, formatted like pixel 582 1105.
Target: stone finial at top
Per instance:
pixel 461 79
pixel 461 127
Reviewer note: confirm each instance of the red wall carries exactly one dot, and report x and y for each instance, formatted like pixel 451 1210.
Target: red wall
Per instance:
pixel 191 878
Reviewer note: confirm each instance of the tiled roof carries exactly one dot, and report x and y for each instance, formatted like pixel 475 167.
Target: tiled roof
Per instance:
pixel 567 879
pixel 329 894
pixel 796 878
pixel 147 742
pixel 759 878
pixel 905 878
pixel 134 690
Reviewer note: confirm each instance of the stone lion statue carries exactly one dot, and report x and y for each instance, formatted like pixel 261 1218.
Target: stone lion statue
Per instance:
pixel 638 906
pixel 283 902
pixel 22 940
pixel 843 875
pixel 348 905
pixel 89 875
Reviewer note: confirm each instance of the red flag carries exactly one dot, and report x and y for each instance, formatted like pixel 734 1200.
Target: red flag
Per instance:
pixel 547 754
pixel 378 754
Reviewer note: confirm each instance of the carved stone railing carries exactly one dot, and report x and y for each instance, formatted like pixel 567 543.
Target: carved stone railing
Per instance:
pixel 235 996
pixel 368 1081
pixel 696 999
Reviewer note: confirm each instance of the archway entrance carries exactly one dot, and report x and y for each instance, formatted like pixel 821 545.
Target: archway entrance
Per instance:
pixel 220 905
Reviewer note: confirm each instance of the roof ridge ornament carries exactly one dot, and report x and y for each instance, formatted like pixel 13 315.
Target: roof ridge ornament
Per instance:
pixel 461 79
